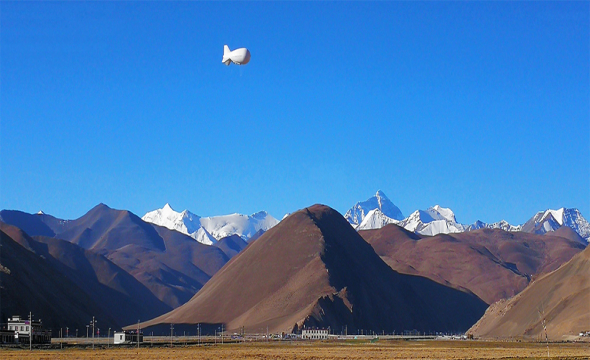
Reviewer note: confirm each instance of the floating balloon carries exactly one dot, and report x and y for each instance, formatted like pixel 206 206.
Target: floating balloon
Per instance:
pixel 239 56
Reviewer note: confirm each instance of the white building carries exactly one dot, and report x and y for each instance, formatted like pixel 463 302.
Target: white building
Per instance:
pixel 19 326
pixel 314 334
pixel 23 328
pixel 127 337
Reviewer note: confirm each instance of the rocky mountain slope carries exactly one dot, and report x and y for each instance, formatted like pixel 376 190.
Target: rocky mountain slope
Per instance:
pixel 492 263
pixel 561 298
pixel 313 269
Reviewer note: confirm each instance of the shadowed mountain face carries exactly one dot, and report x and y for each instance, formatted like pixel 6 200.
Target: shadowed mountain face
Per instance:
pixel 231 245
pixel 492 263
pixel 104 229
pixel 171 265
pixel 29 223
pixel 561 297
pixel 116 292
pixel 568 233
pixel 313 269
pixel 30 282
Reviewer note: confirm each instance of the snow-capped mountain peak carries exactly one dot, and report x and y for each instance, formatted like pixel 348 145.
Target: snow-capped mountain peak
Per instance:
pixel 437 219
pixel 184 222
pixel 440 213
pixel 551 220
pixel 558 215
pixel 360 210
pixel 208 230
pixel 243 225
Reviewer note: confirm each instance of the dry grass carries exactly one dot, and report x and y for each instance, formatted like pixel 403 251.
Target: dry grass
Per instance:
pixel 309 351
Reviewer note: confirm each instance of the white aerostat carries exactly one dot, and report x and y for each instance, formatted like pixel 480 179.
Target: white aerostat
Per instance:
pixel 239 56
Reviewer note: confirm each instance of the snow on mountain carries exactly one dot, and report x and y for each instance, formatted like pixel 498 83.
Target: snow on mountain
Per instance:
pixel 376 219
pixel 551 220
pixel 184 222
pixel 503 224
pixel 203 237
pixel 440 213
pixel 244 226
pixel 207 230
pixel 435 220
pixel 360 210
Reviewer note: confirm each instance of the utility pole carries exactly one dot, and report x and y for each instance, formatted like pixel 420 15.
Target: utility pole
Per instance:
pixel 109 338
pixel 171 331
pixel 137 334
pixel 31 334
pixel 60 338
pixel 221 334
pixel 93 325
pixel 199 329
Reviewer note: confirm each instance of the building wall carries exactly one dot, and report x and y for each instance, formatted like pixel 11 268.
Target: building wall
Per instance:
pixel 315 334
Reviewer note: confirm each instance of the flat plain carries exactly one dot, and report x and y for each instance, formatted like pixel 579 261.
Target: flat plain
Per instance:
pixel 323 350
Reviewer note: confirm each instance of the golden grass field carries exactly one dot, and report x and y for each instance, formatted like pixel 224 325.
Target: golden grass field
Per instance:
pixel 318 350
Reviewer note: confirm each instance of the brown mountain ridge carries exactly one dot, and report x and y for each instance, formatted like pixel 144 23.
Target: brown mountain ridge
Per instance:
pixel 313 269
pixel 561 297
pixel 492 263
pixel 173 266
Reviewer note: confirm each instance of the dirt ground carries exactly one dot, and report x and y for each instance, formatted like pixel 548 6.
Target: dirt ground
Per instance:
pixel 318 350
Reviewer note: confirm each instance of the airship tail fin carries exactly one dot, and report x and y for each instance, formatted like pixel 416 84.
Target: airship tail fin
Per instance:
pixel 226 60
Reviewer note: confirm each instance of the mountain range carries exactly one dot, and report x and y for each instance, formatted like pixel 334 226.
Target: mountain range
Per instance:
pixel 65 285
pixel 311 269
pixel 207 230
pixel 438 220
pixel 314 270
pixel 173 266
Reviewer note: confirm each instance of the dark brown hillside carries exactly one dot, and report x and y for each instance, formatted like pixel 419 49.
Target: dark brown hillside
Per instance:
pixel 493 264
pixel 562 297
pixel 313 269
pixel 232 245
pixel 30 283
pixel 116 292
pixel 568 233
pixel 104 229
pixel 29 223
pixel 171 265
pixel 173 275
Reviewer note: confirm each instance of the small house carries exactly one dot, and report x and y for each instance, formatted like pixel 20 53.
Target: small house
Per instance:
pixel 127 337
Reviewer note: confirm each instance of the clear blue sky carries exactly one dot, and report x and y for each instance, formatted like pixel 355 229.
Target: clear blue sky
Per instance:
pixel 482 107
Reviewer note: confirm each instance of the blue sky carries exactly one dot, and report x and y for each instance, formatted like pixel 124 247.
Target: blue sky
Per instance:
pixel 482 107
